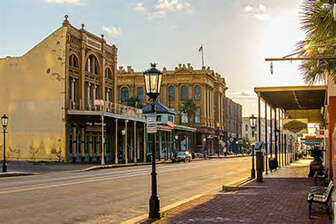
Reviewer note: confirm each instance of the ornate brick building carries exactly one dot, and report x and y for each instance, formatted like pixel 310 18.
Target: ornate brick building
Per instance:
pixel 65 105
pixel 234 112
pixel 205 87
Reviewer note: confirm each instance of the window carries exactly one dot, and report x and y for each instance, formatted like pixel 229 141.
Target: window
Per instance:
pixel 198 116
pixel 184 93
pixel 158 118
pixel 197 93
pixel 171 119
pixel 92 65
pixel 108 73
pixel 124 94
pixel 171 93
pixel 140 94
pixel 184 118
pixel 246 127
pixel 73 62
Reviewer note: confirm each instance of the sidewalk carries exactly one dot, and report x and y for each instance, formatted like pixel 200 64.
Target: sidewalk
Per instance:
pixel 281 198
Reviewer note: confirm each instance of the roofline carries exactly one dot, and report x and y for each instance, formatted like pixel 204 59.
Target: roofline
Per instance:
pixel 289 88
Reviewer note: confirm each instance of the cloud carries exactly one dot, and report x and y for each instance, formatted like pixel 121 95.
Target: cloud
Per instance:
pixel 173 5
pixel 244 95
pixel 139 7
pixel 161 8
pixel 259 12
pixel 112 31
pixel 248 8
pixel 262 8
pixel 69 2
pixel 156 14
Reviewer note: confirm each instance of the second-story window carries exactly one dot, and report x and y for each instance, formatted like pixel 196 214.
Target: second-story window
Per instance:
pixel 197 93
pixel 184 93
pixel 198 116
pixel 246 127
pixel 92 65
pixel 171 93
pixel 184 118
pixel 140 94
pixel 124 94
pixel 108 73
pixel 73 62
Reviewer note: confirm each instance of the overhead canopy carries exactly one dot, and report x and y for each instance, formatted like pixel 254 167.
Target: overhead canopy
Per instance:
pixel 297 101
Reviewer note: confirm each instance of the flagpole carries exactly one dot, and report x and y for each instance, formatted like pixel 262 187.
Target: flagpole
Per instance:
pixel 202 57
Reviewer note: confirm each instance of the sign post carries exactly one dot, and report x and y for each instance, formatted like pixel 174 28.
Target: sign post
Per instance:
pixel 151 123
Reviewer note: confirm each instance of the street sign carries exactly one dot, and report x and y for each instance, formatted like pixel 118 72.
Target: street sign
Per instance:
pixel 322 133
pixel 151 123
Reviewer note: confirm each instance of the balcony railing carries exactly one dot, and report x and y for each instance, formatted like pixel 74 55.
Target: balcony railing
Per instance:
pixel 106 106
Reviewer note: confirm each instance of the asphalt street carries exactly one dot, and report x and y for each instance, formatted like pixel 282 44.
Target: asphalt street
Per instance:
pixel 112 195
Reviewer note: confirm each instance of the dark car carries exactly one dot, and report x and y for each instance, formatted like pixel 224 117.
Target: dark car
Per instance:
pixel 181 156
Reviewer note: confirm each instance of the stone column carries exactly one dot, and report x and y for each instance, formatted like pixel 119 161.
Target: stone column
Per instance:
pixel 74 138
pixel 82 143
pixel 116 142
pixel 90 147
pixel 135 143
pixel 125 143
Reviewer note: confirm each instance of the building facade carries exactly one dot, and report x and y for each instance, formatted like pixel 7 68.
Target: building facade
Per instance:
pixel 63 102
pixel 234 112
pixel 205 87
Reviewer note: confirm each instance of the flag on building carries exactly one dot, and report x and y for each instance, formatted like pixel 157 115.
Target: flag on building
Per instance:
pixel 200 49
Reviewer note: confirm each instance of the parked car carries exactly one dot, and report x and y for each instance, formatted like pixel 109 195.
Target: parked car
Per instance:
pixel 181 156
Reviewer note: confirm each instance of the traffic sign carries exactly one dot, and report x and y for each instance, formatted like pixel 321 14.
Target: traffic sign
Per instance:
pixel 151 123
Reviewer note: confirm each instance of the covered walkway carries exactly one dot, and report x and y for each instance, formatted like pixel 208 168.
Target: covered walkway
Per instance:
pixel 288 102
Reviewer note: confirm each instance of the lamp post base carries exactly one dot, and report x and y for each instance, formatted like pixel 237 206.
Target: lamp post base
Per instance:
pixel 4 167
pixel 154 207
pixel 253 173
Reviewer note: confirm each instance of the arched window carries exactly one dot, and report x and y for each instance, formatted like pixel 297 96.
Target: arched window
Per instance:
pixel 124 94
pixel 108 73
pixel 92 65
pixel 197 93
pixel 184 93
pixel 171 93
pixel 73 62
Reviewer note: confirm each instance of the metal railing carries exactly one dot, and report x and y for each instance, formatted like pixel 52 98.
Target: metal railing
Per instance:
pixel 106 106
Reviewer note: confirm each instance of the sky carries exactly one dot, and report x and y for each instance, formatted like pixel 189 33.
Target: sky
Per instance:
pixel 237 35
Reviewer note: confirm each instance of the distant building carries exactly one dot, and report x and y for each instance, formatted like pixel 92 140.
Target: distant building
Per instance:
pixel 234 113
pixel 204 86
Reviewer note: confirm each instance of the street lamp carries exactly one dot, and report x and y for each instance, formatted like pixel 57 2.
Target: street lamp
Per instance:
pixel 4 122
pixel 253 121
pixel 153 78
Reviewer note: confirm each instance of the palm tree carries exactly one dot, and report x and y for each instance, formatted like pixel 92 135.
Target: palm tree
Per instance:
pixel 320 28
pixel 134 102
pixel 189 107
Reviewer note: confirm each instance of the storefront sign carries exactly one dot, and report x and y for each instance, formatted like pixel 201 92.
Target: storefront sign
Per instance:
pixel 297 126
pixel 151 123
pixel 322 133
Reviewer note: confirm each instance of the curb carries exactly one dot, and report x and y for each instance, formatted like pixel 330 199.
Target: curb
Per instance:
pixel 15 174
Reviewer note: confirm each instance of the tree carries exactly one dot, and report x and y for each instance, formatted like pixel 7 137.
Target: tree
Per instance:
pixel 320 28
pixel 189 108
pixel 134 102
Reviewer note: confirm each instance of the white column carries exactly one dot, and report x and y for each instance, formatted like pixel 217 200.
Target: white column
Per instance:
pixel 103 142
pixel 74 138
pixel 125 143
pixel 135 143
pixel 116 143
pixel 88 95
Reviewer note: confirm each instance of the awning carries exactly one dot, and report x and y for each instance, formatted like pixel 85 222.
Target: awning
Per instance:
pixel 164 128
pixel 297 101
pixel 184 128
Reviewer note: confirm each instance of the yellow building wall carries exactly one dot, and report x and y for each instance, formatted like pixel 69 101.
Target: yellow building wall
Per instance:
pixel 32 94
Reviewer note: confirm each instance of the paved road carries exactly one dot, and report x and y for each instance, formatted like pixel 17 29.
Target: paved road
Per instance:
pixel 114 195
